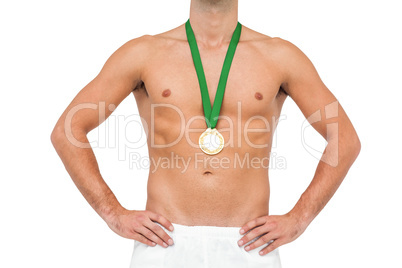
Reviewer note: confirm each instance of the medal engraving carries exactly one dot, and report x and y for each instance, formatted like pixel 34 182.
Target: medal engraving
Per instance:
pixel 211 141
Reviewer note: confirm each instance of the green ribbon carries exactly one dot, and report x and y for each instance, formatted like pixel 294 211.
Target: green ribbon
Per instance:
pixel 212 114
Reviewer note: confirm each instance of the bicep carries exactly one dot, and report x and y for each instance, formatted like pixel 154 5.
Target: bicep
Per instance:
pixel 116 80
pixel 305 87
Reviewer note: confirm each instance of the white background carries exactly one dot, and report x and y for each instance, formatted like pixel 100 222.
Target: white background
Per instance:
pixel 51 49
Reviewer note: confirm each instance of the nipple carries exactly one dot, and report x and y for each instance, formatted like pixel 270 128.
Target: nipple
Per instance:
pixel 166 93
pixel 258 96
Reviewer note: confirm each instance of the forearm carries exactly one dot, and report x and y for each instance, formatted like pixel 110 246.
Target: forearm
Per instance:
pixel 83 168
pixel 327 178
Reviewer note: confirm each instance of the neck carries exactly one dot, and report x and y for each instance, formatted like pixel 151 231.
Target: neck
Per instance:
pixel 213 21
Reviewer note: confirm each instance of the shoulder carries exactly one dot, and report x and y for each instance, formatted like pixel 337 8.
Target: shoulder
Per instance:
pixel 144 46
pixel 137 46
pixel 274 47
pixel 285 55
pixel 150 46
pixel 137 52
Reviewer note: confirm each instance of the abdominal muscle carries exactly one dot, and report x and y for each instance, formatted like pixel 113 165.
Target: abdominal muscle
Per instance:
pixel 191 188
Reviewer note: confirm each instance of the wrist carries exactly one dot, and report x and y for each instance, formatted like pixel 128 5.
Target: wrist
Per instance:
pixel 108 207
pixel 303 218
pixel 110 213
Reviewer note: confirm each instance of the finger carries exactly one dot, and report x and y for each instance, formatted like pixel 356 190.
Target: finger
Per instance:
pixel 268 238
pixel 253 223
pixel 251 235
pixel 159 231
pixel 151 236
pixel 162 220
pixel 271 247
pixel 143 239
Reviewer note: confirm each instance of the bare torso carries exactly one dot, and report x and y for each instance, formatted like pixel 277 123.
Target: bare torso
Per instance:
pixel 185 185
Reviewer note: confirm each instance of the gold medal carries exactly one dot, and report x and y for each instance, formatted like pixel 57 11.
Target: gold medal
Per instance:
pixel 211 141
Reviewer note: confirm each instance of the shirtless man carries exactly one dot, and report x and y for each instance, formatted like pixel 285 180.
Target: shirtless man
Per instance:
pixel 215 214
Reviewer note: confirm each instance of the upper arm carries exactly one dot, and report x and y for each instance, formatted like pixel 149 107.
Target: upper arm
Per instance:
pixel 115 81
pixel 315 100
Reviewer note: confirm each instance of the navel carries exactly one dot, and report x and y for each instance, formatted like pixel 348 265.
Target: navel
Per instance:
pixel 166 93
pixel 258 96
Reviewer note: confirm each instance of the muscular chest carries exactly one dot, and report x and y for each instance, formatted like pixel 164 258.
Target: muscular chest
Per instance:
pixel 174 95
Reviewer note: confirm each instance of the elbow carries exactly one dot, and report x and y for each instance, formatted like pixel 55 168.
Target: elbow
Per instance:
pixel 358 145
pixel 56 135
pixel 74 135
pixel 354 146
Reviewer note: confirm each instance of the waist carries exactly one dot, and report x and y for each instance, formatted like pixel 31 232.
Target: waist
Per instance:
pixel 209 199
